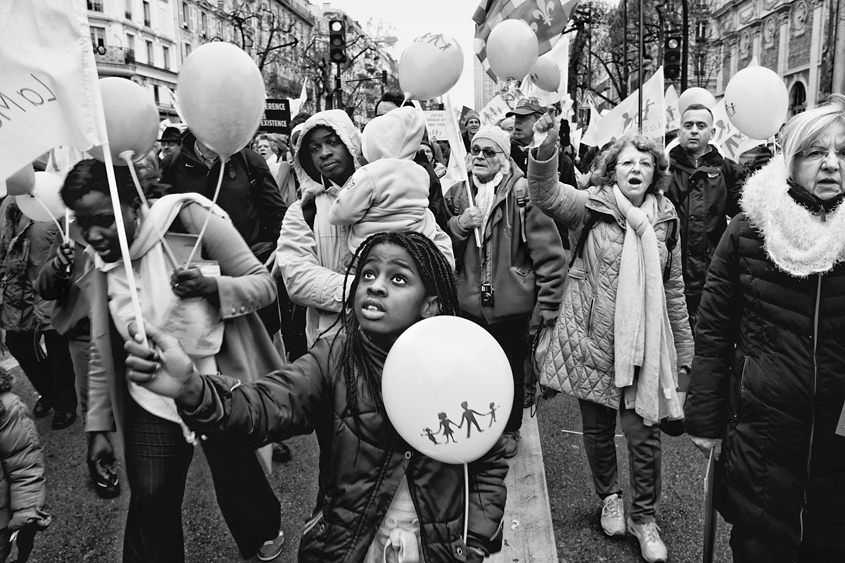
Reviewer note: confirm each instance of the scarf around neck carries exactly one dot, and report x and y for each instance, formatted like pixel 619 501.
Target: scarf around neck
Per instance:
pixel 484 196
pixel 642 335
pixel 801 235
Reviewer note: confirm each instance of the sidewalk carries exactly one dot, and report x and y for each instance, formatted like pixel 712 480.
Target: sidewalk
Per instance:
pixel 528 535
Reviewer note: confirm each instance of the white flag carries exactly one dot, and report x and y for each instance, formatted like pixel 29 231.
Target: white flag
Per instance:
pixel 49 90
pixel 589 137
pixel 296 105
pixel 673 119
pixel 494 111
pixel 456 170
pixel 623 118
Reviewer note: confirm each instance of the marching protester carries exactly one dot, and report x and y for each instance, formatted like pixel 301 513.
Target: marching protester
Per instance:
pixel 265 145
pixel 221 298
pixel 768 378
pixel 25 317
pixel 169 142
pixel 525 115
pixel 705 188
pixel 623 334
pixel 312 253
pixel 414 510
pixel 518 264
pixel 472 123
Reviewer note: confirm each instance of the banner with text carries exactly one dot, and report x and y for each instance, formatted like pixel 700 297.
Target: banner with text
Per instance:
pixel 435 122
pixel 276 116
pixel 49 89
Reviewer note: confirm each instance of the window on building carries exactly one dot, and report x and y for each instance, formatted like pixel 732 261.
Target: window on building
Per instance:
pixel 130 41
pixel 155 93
pixel 186 14
pixel 146 13
pixel 150 53
pixel 95 5
pixel 193 13
pixel 165 51
pixel 98 36
pixel 204 24
pixel 187 49
pixel 128 10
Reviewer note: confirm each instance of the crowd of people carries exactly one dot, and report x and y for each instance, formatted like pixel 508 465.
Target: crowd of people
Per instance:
pixel 681 292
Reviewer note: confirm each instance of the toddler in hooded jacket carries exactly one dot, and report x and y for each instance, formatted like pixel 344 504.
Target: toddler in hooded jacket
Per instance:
pixel 390 193
pixel 22 484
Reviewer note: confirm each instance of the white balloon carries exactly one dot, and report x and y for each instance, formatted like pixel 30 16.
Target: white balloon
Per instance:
pixel 756 102
pixel 512 49
pixel 45 202
pixel 444 372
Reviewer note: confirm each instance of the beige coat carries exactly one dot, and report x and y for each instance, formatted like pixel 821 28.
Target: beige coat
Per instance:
pixel 244 287
pixel 580 356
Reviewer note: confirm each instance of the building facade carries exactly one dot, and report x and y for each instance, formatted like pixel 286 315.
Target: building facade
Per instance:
pixel 787 37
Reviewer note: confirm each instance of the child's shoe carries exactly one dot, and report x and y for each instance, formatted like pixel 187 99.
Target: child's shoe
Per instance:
pixel 271 548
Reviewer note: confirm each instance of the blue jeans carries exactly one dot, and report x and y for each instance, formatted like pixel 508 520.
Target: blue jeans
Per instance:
pixel 645 456
pixel 157 461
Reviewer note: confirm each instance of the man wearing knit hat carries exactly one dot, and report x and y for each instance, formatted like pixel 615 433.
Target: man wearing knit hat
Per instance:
pixel 472 123
pixel 525 115
pixel 520 262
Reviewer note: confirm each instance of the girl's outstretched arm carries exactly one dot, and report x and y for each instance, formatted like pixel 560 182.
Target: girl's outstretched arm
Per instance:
pixel 279 405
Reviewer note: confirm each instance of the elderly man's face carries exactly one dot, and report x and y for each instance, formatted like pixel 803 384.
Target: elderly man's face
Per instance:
pixel 523 128
pixel 168 147
pixel 485 166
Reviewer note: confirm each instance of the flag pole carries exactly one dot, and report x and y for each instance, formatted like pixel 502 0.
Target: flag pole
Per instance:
pixel 640 81
pixel 124 243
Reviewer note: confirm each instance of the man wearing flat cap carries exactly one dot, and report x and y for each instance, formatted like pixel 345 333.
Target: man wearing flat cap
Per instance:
pixel 519 263
pixel 525 114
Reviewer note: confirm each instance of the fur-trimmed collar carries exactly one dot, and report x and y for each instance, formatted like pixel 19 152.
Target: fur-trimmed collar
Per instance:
pixel 796 239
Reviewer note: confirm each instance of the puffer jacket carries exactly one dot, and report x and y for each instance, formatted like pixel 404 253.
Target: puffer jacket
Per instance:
pixel 312 255
pixel 769 372
pixel 523 273
pixel 705 194
pixel 23 490
pixel 581 356
pixel 361 462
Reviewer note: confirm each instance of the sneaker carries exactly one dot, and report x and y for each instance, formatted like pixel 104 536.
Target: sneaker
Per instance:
pixel 511 440
pixel 272 548
pixel 613 516
pixel 651 546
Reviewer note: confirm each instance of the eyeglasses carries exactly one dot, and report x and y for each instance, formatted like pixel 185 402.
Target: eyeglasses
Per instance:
pixel 818 154
pixel 486 151
pixel 644 164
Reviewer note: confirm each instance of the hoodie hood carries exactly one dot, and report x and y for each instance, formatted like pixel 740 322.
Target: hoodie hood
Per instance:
pixel 396 134
pixel 334 119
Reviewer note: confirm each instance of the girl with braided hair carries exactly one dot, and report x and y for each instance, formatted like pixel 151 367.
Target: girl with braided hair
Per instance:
pixel 378 497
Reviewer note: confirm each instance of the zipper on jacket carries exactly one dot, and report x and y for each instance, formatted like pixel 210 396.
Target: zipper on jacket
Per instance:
pixel 738 403
pixel 813 396
pixel 590 316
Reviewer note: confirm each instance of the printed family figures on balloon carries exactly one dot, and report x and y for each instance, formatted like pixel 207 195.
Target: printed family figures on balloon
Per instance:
pixel 446 426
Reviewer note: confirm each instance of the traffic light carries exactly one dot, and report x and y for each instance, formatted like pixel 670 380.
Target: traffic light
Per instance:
pixel 672 57
pixel 337 41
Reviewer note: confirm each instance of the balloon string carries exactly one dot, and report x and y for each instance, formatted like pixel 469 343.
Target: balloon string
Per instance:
pixel 53 217
pixel 124 244
pixel 67 224
pixel 127 156
pixel 223 161
pixel 466 501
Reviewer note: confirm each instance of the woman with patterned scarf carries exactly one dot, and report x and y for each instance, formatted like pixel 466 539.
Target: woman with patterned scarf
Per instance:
pixel 623 333
pixel 768 378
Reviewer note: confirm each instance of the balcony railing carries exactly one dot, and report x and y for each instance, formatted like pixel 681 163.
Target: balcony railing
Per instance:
pixel 114 55
pixel 298 10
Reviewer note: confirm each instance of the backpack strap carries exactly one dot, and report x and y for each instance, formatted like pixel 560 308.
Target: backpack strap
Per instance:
pixel 521 202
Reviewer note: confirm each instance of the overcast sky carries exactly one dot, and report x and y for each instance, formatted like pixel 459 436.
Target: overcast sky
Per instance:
pixel 410 19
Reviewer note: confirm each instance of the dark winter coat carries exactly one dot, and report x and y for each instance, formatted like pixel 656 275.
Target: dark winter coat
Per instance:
pixel 248 194
pixel 769 371
pixel 705 194
pixel 361 462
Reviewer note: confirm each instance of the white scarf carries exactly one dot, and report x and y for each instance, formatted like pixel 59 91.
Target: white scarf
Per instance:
pixel 485 195
pixel 796 240
pixel 642 332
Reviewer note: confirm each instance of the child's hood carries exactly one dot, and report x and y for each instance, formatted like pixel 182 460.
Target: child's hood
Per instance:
pixel 396 134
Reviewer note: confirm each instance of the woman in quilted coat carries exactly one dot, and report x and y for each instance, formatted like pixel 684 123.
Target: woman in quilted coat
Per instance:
pixel 623 332
pixel 769 370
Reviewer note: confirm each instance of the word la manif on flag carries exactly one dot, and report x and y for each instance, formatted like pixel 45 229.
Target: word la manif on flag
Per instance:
pixel 49 91
pixel 623 118
pixel 546 17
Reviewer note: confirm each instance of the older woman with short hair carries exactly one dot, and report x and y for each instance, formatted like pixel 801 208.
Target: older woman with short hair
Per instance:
pixel 768 378
pixel 623 333
pixel 520 262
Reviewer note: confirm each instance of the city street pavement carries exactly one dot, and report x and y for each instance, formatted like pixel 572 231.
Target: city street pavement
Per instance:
pixel 88 529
